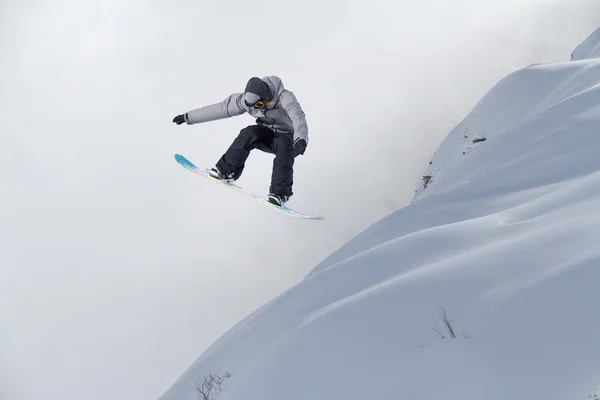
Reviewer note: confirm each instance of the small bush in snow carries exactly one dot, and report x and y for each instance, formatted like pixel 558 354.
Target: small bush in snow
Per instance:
pixel 448 326
pixel 208 387
pixel 595 395
pixel 448 330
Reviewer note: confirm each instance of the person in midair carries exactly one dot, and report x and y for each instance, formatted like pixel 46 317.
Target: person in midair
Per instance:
pixel 280 129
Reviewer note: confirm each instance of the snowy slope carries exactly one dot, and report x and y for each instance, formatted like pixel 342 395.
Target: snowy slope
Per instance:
pixel 505 237
pixel 590 48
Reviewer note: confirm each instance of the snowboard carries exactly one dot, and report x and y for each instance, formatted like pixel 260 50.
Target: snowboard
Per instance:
pixel 187 164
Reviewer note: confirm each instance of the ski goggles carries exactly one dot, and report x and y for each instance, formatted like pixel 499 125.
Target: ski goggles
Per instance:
pixel 254 101
pixel 258 104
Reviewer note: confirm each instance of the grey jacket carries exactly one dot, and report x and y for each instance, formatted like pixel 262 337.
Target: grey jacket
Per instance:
pixel 285 115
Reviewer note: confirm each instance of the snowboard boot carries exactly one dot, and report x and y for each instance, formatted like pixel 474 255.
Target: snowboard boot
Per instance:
pixel 216 173
pixel 277 199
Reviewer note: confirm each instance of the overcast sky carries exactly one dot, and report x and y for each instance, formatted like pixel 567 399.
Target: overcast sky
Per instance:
pixel 118 267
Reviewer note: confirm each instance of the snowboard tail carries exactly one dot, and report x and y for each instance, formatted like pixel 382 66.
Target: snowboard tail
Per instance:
pixel 187 164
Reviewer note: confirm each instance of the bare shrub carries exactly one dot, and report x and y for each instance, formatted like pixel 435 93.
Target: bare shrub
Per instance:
pixel 448 331
pixel 208 387
pixel 448 325
pixel 595 395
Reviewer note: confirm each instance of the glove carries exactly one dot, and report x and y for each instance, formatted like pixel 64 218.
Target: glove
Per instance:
pixel 180 119
pixel 299 147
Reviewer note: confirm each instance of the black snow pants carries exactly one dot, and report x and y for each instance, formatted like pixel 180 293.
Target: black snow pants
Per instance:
pixel 262 138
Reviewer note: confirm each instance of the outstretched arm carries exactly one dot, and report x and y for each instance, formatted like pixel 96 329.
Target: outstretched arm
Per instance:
pixel 230 107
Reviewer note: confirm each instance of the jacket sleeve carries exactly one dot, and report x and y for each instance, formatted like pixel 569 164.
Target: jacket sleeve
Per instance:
pixel 291 106
pixel 230 107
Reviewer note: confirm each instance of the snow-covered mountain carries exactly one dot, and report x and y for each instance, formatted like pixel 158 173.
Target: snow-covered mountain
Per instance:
pixel 503 237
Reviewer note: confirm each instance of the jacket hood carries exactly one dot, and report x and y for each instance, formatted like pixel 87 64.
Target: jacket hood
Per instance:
pixel 276 86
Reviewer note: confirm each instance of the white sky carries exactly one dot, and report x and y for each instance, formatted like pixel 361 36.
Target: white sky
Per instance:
pixel 118 267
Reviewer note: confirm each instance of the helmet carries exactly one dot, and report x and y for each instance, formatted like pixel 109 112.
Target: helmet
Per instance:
pixel 257 92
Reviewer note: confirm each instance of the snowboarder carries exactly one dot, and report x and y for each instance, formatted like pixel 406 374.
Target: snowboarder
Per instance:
pixel 280 129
